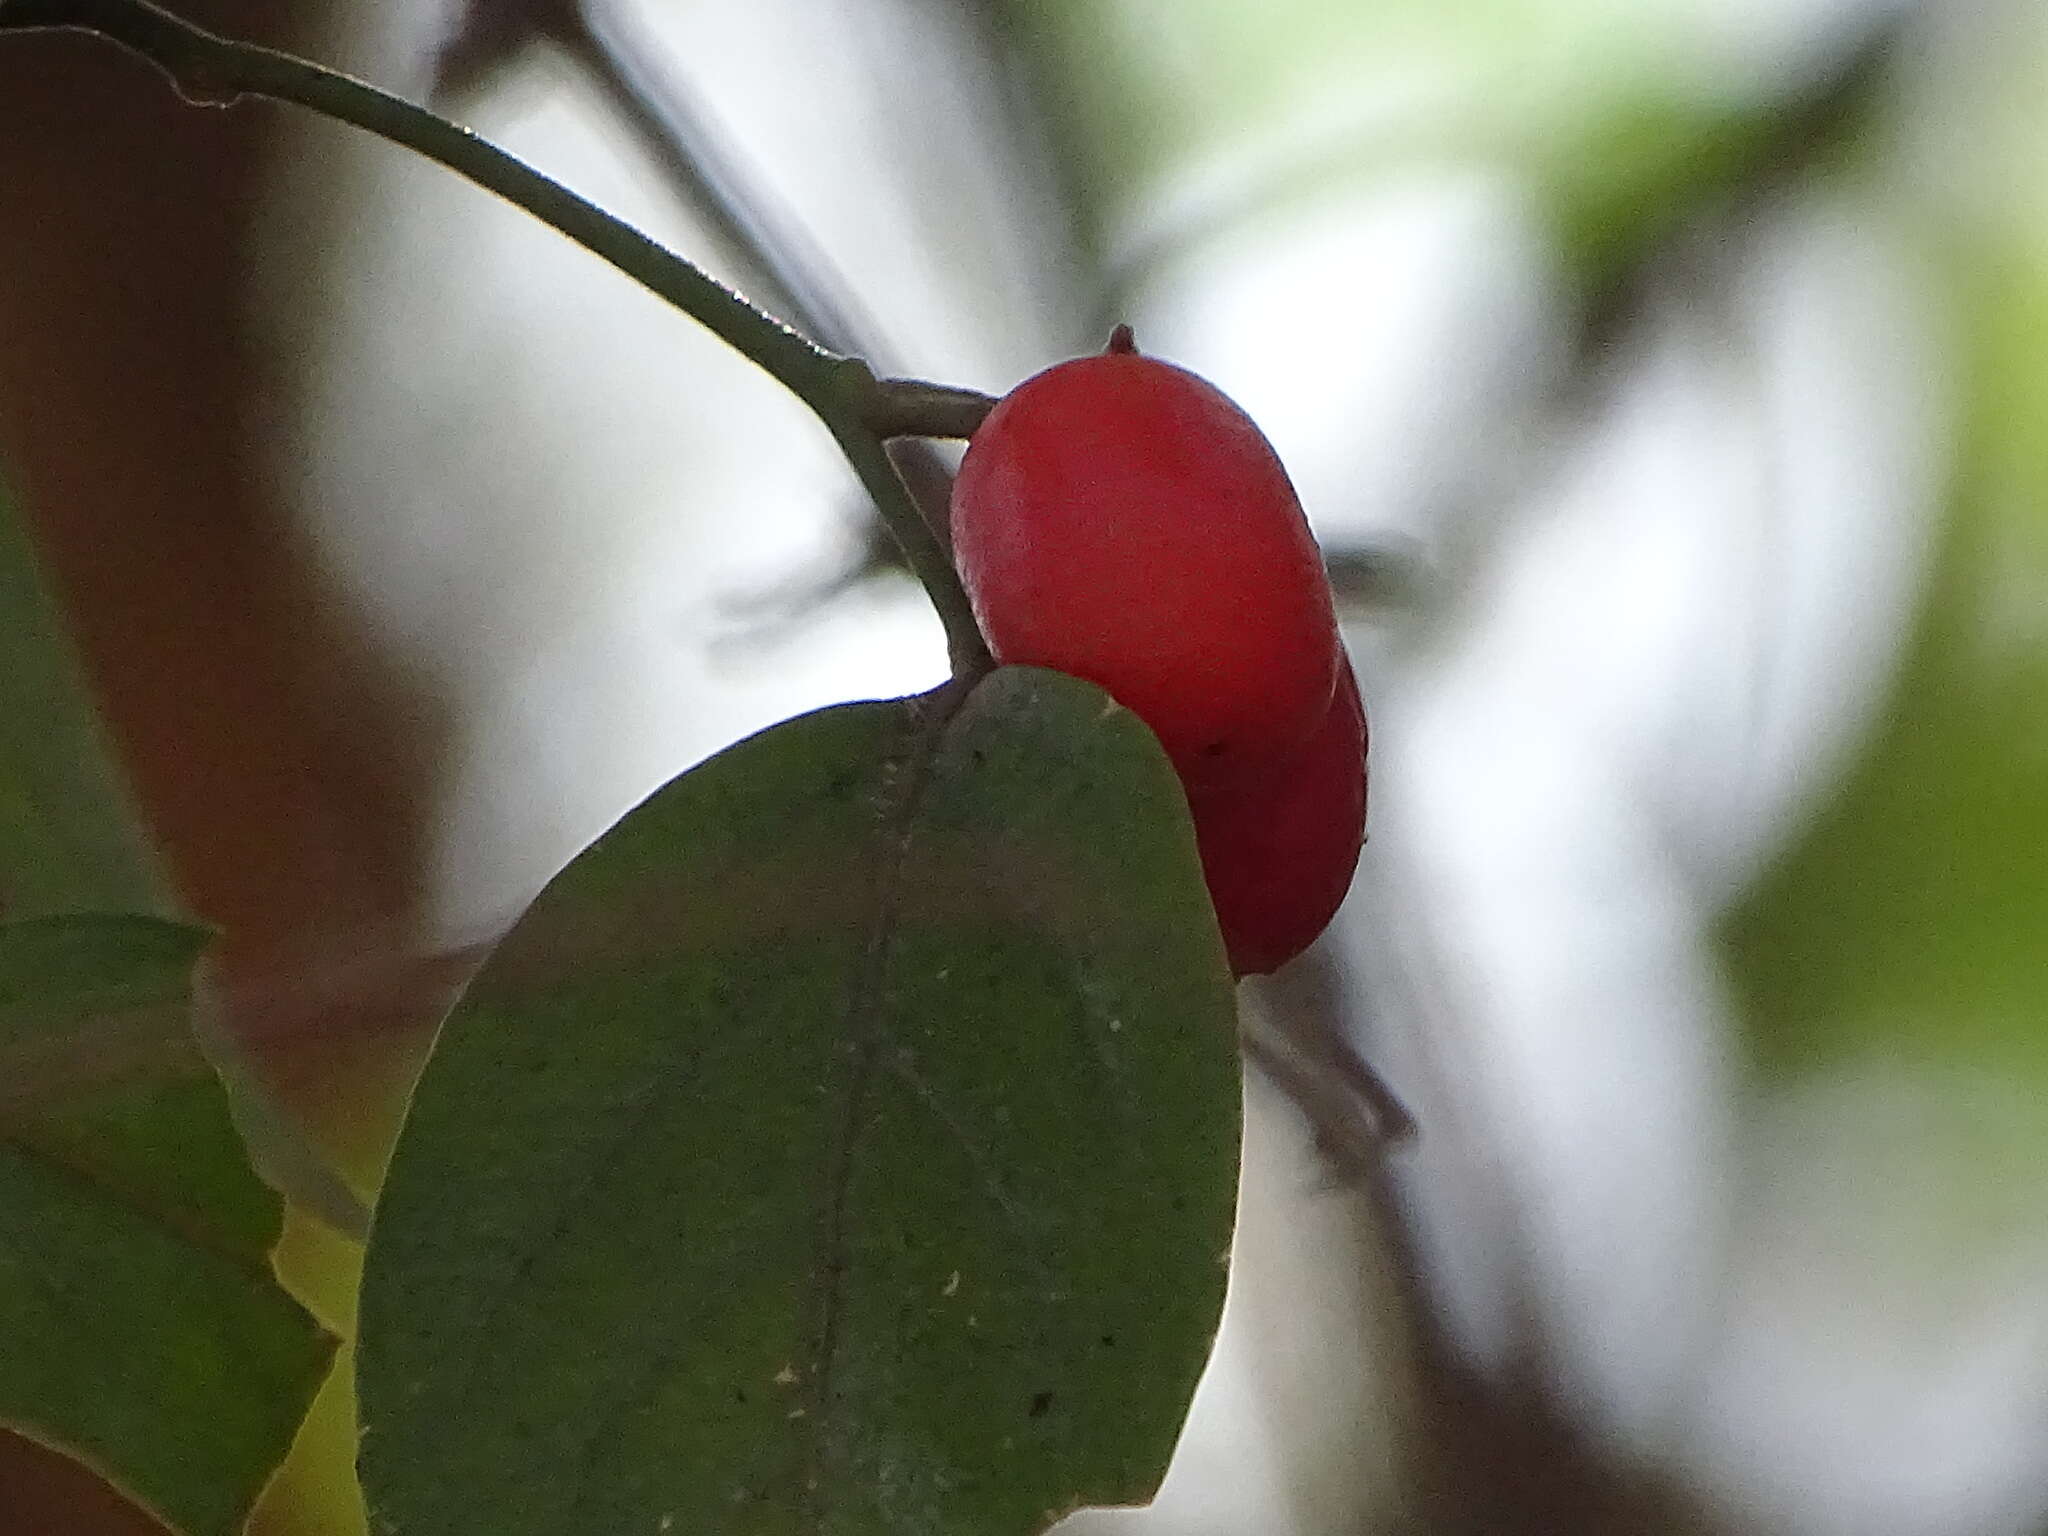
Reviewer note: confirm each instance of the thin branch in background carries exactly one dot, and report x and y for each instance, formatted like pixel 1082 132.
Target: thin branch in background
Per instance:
pixel 714 181
pixel 696 158
pixel 1377 577
pixel 1302 1039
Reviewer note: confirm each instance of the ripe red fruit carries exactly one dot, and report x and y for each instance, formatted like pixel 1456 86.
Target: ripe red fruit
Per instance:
pixel 1118 519
pixel 1278 856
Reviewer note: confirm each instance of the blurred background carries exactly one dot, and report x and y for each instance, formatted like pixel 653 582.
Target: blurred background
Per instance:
pixel 1665 381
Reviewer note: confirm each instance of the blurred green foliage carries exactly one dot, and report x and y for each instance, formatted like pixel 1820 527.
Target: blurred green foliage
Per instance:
pixel 143 1329
pixel 68 841
pixel 1911 918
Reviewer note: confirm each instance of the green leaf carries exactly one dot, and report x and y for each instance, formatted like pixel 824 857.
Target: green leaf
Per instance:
pixel 141 1328
pixel 91 1001
pixel 847 1142
pixel 96 1046
pixel 144 1331
pixel 68 840
pixel 178 1372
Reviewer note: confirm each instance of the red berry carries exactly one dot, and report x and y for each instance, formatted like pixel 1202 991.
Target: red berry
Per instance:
pixel 1119 519
pixel 1278 855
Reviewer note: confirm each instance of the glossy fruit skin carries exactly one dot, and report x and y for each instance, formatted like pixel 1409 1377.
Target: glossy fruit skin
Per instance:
pixel 1278 856
pixel 1119 519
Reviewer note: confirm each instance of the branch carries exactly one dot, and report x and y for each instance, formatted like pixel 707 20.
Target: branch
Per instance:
pixel 913 408
pixel 210 70
pixel 884 482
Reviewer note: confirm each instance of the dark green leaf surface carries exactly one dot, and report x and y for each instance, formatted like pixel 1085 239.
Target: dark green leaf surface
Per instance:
pixel 93 1019
pixel 142 1328
pixel 845 1143
pixel 67 837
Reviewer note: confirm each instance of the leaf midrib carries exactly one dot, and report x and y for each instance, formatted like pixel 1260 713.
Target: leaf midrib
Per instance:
pixel 906 776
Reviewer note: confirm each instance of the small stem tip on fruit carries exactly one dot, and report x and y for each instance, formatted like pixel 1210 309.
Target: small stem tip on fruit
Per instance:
pixel 1122 343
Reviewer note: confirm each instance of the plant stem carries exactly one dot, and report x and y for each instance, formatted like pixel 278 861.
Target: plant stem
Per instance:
pixel 210 70
pixel 913 408
pixel 965 647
